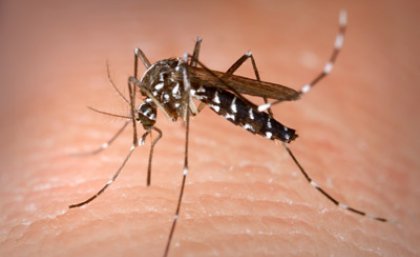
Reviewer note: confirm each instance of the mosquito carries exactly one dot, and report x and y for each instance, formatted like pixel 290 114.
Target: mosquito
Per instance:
pixel 174 85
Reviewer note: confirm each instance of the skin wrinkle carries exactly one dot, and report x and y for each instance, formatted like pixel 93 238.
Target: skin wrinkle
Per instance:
pixel 237 181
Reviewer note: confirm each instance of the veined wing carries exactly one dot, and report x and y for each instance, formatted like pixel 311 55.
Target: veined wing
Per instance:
pixel 243 85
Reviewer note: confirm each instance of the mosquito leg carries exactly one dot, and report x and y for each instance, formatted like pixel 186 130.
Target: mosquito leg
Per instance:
pixel 238 64
pixel 185 169
pixel 339 41
pixel 107 143
pixel 327 195
pixel 240 61
pixel 194 63
pixel 132 90
pixel 196 52
pixel 114 177
pixel 220 79
pixel 152 147
pixel 138 54
pixel 196 110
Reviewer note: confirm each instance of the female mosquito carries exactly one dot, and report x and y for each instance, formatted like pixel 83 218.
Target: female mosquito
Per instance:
pixel 172 85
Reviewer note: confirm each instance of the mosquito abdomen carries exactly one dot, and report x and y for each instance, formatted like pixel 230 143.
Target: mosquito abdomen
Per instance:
pixel 244 114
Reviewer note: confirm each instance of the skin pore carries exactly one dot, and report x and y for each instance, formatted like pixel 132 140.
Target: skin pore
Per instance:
pixel 244 195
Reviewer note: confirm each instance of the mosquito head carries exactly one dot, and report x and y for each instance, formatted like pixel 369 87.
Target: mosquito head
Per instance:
pixel 162 84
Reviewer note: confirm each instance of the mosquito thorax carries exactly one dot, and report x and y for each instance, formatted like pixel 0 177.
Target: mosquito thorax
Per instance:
pixel 161 84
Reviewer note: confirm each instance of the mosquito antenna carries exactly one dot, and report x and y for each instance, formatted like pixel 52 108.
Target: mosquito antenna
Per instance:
pixel 109 114
pixel 108 72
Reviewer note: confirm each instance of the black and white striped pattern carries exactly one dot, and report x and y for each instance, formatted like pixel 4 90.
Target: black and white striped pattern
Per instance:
pixel 244 114
pixel 147 112
pixel 166 85
pixel 327 195
pixel 338 44
pixel 161 84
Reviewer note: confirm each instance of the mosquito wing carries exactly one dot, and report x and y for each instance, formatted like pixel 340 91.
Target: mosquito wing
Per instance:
pixel 243 85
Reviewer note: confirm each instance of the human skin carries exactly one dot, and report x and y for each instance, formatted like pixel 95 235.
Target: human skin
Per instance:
pixel 244 195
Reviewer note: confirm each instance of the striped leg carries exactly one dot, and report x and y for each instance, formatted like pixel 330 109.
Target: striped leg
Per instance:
pixel 339 41
pixel 138 54
pixel 107 143
pixel 239 62
pixel 115 136
pixel 185 169
pixel 114 177
pixel 131 88
pixel 327 195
